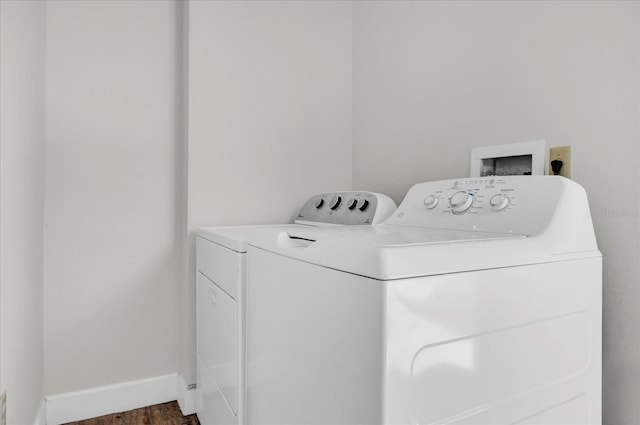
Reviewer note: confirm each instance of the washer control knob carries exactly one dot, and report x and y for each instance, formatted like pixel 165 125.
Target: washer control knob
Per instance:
pixel 363 204
pixel 351 203
pixel 460 202
pixel 318 203
pixel 431 201
pixel 335 202
pixel 499 202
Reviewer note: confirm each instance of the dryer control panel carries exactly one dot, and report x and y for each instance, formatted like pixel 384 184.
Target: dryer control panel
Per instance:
pixel 350 207
pixel 523 205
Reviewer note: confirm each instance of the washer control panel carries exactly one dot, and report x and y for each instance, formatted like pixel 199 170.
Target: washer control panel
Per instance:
pixel 471 196
pixel 515 204
pixel 350 207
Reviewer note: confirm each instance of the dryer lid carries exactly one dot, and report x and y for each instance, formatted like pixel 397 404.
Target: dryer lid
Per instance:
pixel 236 237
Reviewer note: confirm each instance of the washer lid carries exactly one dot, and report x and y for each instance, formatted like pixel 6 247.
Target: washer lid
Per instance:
pixel 396 236
pixel 388 252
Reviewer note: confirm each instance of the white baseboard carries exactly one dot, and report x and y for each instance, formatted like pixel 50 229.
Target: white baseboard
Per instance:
pixel 41 414
pixel 76 406
pixel 186 397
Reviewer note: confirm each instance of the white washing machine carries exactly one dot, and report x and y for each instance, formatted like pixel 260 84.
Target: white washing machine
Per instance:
pixel 477 302
pixel 220 262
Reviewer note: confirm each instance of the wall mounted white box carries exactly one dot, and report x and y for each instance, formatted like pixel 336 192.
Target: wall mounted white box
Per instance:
pixel 536 149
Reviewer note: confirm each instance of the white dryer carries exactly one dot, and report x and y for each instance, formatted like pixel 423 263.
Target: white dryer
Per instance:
pixel 220 282
pixel 477 302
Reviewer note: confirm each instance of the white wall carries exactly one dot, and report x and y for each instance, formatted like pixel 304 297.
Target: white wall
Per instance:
pixel 112 210
pixel 22 44
pixel 434 79
pixel 269 114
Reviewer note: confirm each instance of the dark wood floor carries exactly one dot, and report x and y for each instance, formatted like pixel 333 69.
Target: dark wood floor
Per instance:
pixel 158 414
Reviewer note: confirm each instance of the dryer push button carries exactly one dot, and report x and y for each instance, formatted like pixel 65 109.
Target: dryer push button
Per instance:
pixel 335 202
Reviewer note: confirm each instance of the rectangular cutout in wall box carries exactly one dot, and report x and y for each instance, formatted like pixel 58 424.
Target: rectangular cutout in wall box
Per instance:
pixel 528 158
pixel 507 166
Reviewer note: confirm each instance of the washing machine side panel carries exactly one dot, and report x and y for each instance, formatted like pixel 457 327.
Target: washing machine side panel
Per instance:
pixel 512 345
pixel 314 343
